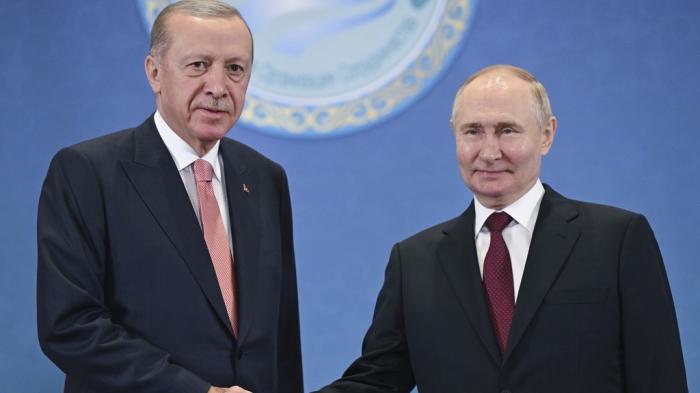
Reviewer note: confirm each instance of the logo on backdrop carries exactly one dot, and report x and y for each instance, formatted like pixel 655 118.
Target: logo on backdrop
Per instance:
pixel 328 67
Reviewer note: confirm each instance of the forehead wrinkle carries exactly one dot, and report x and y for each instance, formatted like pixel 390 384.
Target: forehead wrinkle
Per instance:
pixel 490 88
pixel 494 91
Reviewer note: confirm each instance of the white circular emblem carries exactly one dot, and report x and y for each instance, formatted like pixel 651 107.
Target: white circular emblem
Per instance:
pixel 328 67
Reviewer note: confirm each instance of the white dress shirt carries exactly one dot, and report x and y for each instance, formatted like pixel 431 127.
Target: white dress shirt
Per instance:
pixel 517 234
pixel 184 155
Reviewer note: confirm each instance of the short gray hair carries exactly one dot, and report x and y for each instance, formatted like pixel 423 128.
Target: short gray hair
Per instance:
pixel 541 107
pixel 198 8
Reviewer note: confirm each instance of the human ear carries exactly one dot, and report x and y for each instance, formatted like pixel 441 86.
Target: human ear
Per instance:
pixel 549 132
pixel 152 68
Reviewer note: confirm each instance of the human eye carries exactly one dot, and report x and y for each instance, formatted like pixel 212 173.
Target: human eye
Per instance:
pixel 196 67
pixel 507 129
pixel 235 69
pixel 471 131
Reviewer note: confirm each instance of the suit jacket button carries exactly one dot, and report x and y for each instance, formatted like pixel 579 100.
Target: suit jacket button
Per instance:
pixel 240 355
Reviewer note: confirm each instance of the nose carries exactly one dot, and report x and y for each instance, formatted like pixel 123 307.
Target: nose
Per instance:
pixel 216 82
pixel 490 148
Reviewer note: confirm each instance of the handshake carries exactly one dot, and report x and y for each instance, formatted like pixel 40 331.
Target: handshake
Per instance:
pixel 232 389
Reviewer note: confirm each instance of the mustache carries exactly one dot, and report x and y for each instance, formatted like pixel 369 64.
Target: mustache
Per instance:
pixel 213 105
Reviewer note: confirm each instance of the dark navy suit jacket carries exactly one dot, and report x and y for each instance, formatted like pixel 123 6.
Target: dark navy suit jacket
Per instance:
pixel 594 312
pixel 127 296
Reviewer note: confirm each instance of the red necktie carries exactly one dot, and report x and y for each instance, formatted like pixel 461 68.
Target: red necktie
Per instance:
pixel 216 238
pixel 498 279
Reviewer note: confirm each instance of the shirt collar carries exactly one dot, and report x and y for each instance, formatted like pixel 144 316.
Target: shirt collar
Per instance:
pixel 524 210
pixel 182 153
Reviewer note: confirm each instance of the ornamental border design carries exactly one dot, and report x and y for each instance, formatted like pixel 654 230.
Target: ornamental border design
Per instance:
pixel 369 109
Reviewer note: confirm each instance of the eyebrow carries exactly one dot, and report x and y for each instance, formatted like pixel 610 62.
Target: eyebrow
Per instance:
pixel 195 56
pixel 241 59
pixel 504 124
pixel 210 57
pixel 470 125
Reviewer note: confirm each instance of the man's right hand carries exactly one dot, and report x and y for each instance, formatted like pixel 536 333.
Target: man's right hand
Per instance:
pixel 232 389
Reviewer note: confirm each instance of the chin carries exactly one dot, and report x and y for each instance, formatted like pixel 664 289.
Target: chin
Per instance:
pixel 211 133
pixel 491 192
pixel 490 187
pixel 493 196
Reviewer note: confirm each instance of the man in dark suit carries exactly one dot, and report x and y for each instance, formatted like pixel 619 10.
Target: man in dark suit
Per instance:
pixel 526 291
pixel 166 259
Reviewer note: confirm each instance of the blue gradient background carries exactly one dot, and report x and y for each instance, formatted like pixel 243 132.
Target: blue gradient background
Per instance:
pixel 623 77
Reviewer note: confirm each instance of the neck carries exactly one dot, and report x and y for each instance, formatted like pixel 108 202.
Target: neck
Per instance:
pixel 503 201
pixel 201 148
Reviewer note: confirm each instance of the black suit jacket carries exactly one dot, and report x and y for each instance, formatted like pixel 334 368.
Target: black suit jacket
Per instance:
pixel 128 300
pixel 594 312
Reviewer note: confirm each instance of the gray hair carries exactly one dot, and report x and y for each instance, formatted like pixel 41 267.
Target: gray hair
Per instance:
pixel 540 103
pixel 198 8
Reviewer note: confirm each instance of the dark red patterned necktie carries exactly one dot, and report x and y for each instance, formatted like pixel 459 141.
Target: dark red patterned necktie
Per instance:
pixel 498 279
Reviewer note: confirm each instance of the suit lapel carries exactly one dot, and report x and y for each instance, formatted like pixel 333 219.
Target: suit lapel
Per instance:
pixel 156 179
pixel 457 255
pixel 244 210
pixel 552 242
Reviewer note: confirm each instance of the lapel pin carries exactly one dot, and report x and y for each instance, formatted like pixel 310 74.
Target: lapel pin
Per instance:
pixel 245 188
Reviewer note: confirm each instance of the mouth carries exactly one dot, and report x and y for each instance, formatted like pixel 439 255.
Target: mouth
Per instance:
pixel 490 173
pixel 211 110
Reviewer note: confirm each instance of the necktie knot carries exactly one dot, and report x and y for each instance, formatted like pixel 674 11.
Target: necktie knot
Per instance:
pixel 497 221
pixel 202 170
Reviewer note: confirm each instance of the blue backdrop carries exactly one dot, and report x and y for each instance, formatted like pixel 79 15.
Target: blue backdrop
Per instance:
pixel 623 77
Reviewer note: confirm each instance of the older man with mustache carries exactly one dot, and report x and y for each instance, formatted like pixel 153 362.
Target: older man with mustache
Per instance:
pixel 166 260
